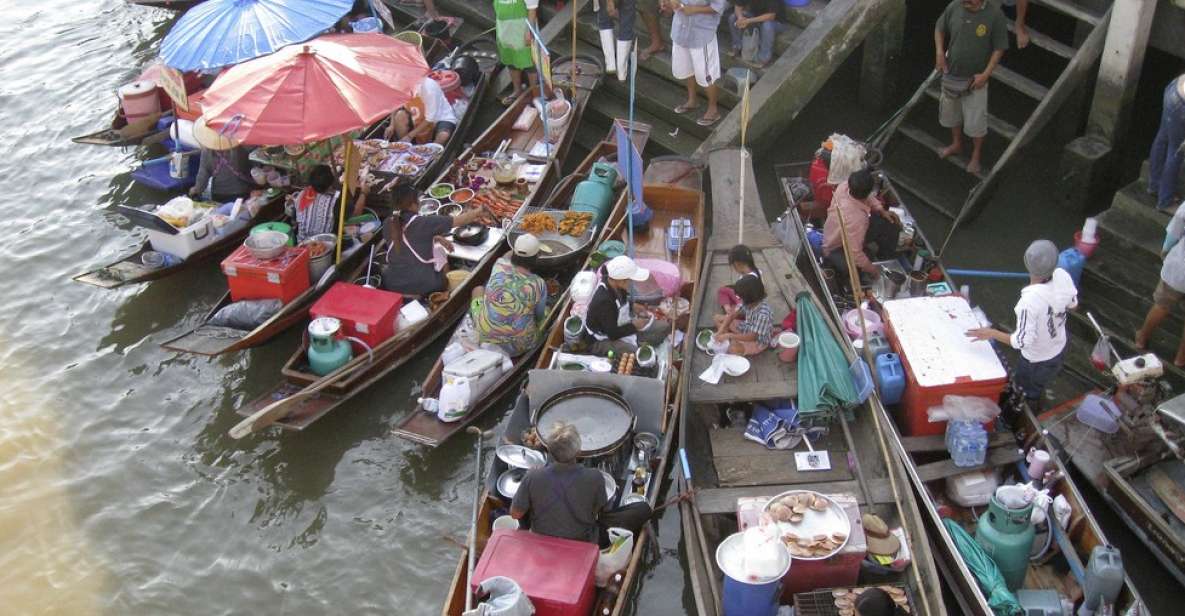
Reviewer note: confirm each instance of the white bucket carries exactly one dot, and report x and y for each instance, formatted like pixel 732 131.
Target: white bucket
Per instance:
pixel 505 522
pixel 556 125
pixel 138 100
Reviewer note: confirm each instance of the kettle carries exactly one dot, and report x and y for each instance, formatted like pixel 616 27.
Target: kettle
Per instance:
pixel 328 351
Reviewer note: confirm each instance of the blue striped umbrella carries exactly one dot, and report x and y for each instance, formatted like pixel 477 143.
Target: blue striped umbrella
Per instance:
pixel 219 33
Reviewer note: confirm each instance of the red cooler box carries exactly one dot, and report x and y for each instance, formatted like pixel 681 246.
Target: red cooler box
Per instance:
pixel 929 333
pixel 558 575
pixel 366 314
pixel 843 569
pixel 282 278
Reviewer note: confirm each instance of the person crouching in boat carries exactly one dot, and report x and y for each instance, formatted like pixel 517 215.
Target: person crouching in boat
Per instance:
pixel 429 114
pixel 565 499
pixel 751 335
pixel 224 166
pixel 509 309
pixel 871 229
pixel 608 320
pixel 417 251
pixel 316 209
pixel 740 259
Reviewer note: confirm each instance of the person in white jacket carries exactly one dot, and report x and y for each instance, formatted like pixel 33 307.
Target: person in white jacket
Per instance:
pixel 1041 315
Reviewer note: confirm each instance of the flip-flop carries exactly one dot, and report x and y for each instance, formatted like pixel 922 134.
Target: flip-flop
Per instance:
pixel 704 121
pixel 682 109
pixel 509 99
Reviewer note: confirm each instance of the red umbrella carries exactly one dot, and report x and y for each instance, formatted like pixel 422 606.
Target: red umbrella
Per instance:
pixel 315 90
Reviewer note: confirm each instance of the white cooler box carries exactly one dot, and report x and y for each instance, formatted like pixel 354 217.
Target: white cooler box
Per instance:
pixel 466 379
pixel 187 241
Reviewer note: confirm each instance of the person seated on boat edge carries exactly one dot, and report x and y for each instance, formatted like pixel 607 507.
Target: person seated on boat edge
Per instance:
pixel 562 498
pixel 751 335
pixel 507 312
pixel 1041 316
pixel 871 228
pixel 317 208
pixel 430 114
pixel 876 602
pixel 740 258
pixel 224 169
pixel 416 246
pixel 608 321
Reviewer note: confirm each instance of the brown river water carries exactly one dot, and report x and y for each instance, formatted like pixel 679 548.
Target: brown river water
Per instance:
pixel 120 492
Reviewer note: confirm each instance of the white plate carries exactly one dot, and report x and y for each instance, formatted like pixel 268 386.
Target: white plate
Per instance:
pixel 610 485
pixel 833 519
pixel 735 365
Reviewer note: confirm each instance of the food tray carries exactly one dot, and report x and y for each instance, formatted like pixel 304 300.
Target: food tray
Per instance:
pixel 815 523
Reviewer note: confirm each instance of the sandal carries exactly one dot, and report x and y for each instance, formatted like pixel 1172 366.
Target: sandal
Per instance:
pixel 706 121
pixel 509 99
pixel 684 108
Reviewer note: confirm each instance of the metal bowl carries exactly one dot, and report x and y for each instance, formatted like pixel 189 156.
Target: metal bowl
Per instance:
pixel 565 249
pixel 610 485
pixel 264 245
pixel 833 519
pixel 602 417
pixel 509 481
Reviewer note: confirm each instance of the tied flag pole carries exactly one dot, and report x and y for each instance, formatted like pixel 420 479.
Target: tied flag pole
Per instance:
pixel 629 135
pixel 743 175
pixel 341 216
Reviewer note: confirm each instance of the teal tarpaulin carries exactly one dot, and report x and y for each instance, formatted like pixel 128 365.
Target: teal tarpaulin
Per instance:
pixel 991 581
pixel 824 380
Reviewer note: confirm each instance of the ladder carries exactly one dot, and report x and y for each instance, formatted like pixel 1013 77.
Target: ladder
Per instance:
pixel 1078 68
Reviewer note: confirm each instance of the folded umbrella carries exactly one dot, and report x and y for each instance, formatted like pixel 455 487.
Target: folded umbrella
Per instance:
pixel 824 380
pixel 219 33
pixel 316 90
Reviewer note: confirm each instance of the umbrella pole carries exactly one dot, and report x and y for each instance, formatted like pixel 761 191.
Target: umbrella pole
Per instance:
pixel 854 279
pixel 341 217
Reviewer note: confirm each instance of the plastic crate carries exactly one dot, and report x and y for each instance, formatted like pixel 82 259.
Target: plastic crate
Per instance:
pixel 155 174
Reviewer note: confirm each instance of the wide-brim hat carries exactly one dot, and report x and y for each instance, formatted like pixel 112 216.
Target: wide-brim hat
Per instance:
pixel 876 533
pixel 211 138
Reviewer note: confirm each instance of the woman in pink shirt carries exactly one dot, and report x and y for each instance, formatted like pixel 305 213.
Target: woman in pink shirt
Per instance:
pixel 866 232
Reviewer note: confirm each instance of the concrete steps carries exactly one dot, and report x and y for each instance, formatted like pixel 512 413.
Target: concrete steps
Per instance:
pixel 1133 222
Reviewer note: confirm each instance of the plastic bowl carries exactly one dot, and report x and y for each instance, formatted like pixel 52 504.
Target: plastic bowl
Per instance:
pixel 266 245
pixel 461 195
pixel 735 365
pixel 152 259
pixel 440 191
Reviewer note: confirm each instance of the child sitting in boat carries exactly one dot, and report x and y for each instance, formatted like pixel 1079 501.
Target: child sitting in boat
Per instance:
pixel 752 335
pixel 507 311
pixel 429 115
pixel 316 208
pixel 740 258
pixel 416 248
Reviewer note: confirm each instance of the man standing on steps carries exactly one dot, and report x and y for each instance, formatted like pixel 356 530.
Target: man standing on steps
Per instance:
pixel 1169 290
pixel 695 54
pixel 617 39
pixel 969 40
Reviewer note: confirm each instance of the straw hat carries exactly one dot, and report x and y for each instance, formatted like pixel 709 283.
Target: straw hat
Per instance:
pixel 880 539
pixel 210 138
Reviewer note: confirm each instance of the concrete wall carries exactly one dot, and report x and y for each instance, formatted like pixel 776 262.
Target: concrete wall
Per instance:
pixel 1168 27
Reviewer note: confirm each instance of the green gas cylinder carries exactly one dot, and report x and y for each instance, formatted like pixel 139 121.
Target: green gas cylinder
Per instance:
pixel 327 352
pixel 595 194
pixel 1007 536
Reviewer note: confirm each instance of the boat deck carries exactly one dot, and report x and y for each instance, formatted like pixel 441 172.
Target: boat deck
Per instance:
pixel 767 378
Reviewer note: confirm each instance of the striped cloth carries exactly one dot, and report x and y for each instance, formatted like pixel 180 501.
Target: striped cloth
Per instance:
pixel 758 320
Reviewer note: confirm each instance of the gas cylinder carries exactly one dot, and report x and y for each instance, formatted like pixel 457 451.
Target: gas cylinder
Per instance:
pixel 327 351
pixel 595 194
pixel 1007 536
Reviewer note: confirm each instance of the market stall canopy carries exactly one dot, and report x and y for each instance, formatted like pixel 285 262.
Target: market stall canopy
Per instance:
pixel 326 87
pixel 219 33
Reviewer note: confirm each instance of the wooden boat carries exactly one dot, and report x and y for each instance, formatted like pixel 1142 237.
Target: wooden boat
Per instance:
pixel 730 473
pixel 213 340
pixel 306 397
pixel 131 269
pixel 672 190
pixel 928 465
pixel 426 428
pixel 121 133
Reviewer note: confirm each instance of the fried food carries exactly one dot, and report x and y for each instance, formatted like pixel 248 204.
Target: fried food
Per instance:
pixel 575 223
pixel 537 224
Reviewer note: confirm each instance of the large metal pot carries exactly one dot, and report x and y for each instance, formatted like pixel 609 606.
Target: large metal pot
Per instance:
pixel 601 416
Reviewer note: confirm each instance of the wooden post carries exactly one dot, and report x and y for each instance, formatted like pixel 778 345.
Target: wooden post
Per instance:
pixel 880 64
pixel 1119 69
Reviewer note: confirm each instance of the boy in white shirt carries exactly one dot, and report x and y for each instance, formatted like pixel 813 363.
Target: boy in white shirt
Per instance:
pixel 438 116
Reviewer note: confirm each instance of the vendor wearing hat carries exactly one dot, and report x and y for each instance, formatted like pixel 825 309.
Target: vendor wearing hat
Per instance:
pixel 609 321
pixel 508 311
pixel 224 165
pixel 1041 313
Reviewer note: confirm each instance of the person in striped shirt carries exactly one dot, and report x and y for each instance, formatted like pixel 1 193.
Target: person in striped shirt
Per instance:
pixel 752 335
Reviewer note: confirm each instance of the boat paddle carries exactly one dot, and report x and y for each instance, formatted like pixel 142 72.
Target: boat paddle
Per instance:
pixel 472 547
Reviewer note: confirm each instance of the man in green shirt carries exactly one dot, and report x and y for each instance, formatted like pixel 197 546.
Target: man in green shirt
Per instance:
pixel 969 40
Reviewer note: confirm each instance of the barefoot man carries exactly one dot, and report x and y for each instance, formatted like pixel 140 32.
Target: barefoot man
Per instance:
pixel 969 40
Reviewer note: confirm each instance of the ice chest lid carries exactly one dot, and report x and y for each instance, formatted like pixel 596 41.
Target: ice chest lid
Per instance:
pixel 357 303
pixel 474 363
pixel 932 332
pixel 547 568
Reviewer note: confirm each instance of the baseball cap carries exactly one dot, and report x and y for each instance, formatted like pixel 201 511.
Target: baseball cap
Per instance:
pixel 528 245
pixel 1041 258
pixel 624 268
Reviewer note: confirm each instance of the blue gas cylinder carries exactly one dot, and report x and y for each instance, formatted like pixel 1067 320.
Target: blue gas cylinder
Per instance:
pixel 595 194
pixel 326 351
pixel 1073 262
pixel 892 377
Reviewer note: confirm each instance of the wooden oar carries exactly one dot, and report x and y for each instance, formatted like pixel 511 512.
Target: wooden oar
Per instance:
pixel 277 410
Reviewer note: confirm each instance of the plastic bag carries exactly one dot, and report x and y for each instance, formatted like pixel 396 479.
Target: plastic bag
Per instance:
pixel 1102 357
pixel 247 314
pixel 763 554
pixel 968 408
pixel 615 557
pixel 506 599
pixel 1017 496
pixel 177 211
pixel 847 157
